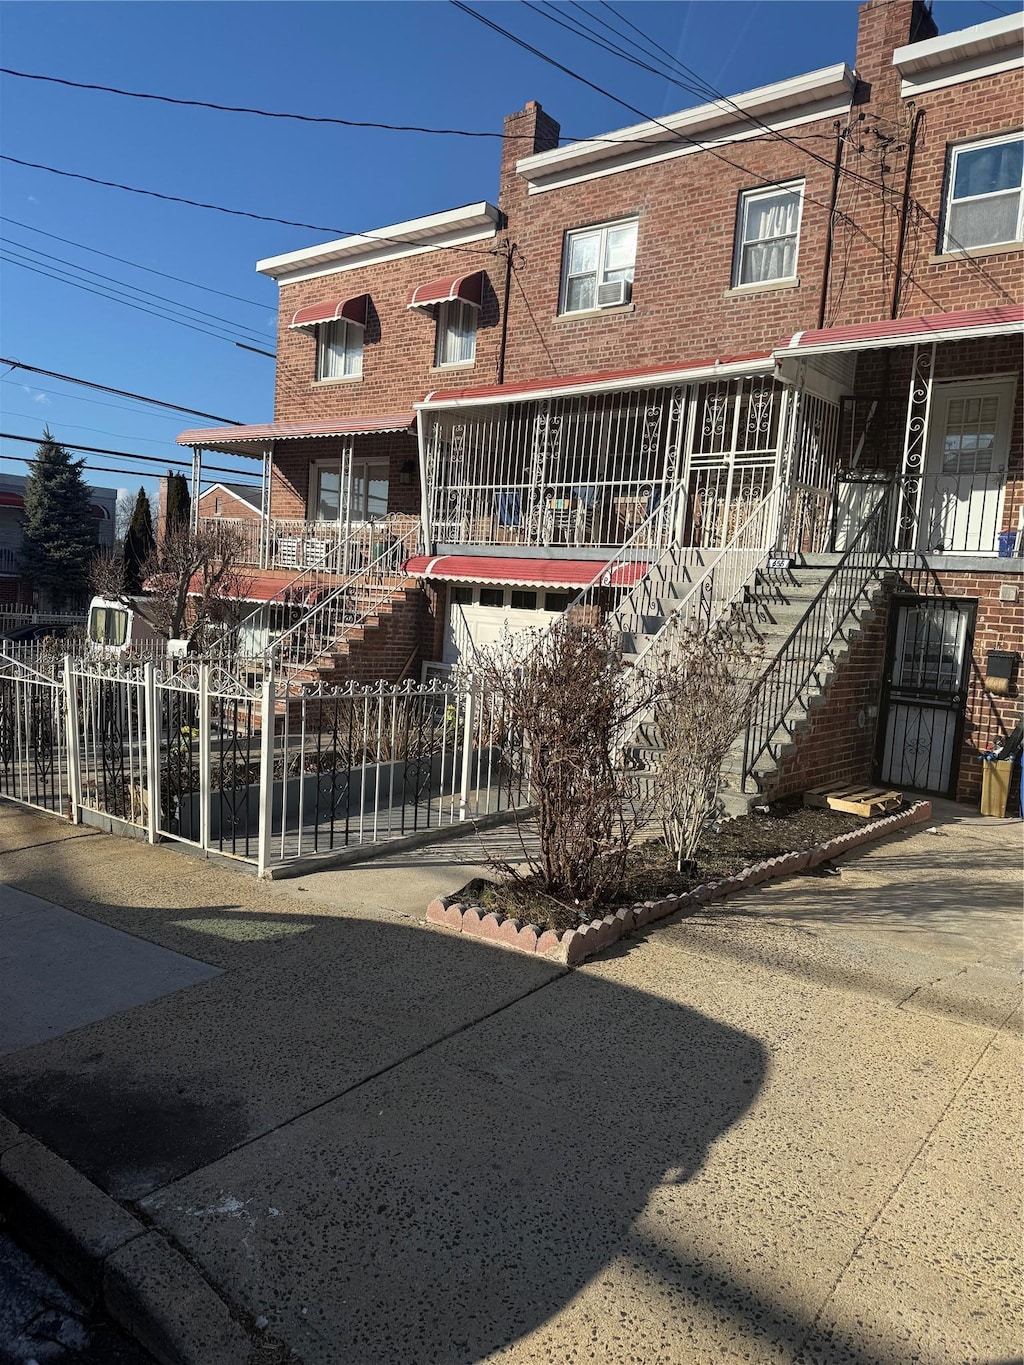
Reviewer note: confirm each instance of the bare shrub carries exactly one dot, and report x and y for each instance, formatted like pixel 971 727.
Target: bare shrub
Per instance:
pixel 704 688
pixel 569 704
pixel 194 585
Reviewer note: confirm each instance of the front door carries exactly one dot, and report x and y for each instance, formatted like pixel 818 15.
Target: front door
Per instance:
pixel 965 467
pixel 924 693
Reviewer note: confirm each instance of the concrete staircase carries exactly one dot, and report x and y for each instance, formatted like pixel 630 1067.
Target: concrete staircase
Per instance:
pixel 774 604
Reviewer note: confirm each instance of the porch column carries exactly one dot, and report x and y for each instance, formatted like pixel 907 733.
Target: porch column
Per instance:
pixel 783 529
pixel 197 474
pixel 919 406
pixel 421 449
pixel 268 455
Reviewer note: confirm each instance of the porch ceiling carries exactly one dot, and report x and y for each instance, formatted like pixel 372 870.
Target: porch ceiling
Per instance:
pixel 866 336
pixel 253 440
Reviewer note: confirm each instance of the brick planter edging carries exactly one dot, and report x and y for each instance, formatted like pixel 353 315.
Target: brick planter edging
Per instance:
pixel 573 946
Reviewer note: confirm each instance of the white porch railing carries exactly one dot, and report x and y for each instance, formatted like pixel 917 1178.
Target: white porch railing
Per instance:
pixel 366 587
pixel 291 543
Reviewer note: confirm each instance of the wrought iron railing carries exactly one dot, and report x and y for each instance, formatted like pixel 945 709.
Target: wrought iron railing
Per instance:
pixel 292 543
pixel 346 604
pixel 249 636
pixel 798 666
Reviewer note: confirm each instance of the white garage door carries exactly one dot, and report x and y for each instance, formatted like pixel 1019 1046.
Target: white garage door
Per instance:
pixel 478 613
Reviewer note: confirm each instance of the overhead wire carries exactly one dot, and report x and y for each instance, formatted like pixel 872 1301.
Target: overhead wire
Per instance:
pixel 236 213
pixel 123 454
pixel 250 333
pixel 708 90
pixel 136 410
pixel 63 278
pixel 713 151
pixel 136 265
pixel 119 393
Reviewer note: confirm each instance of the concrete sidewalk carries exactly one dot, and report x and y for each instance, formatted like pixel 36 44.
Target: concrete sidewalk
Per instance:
pixel 787 1130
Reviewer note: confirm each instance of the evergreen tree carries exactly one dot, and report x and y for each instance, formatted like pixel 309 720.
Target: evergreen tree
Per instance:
pixel 139 543
pixel 179 502
pixel 59 528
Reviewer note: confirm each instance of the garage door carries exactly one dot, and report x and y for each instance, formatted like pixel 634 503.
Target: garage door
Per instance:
pixel 478 613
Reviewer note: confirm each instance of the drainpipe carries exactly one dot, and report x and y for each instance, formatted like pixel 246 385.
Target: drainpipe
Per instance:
pixel 904 214
pixel 836 170
pixel 509 252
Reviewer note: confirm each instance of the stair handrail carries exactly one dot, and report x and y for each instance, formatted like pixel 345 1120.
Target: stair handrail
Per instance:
pixel 610 572
pixel 317 629
pixel 790 673
pixel 299 591
pixel 740 561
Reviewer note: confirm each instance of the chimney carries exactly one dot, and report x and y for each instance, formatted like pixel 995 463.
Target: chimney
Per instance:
pixel 527 132
pixel 883 26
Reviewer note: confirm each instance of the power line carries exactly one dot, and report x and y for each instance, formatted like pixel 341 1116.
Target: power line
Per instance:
pixel 682 137
pixel 241 328
pixel 120 454
pixel 120 393
pixel 136 265
pixel 136 410
pixel 706 88
pixel 61 278
pixel 96 431
pixel 236 213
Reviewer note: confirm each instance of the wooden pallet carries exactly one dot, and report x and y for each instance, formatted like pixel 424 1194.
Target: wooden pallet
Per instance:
pixel 854 800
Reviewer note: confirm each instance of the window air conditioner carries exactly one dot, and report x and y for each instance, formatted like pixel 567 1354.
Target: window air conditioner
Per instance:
pixel 614 293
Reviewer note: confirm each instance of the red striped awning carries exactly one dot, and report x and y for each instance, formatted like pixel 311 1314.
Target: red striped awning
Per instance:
pixel 468 288
pixel 313 315
pixel 540 573
pixel 862 336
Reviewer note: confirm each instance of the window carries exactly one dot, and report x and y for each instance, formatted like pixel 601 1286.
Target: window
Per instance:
pixel 461 594
pixel 108 625
pixel 523 601
pixel 594 257
pixel 985 203
pixel 556 601
pixel 456 333
pixel 368 494
pixel 339 350
pixel 767 234
pixel 492 597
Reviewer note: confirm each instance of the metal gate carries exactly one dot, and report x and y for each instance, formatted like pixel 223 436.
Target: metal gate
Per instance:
pixel 33 738
pixel 924 693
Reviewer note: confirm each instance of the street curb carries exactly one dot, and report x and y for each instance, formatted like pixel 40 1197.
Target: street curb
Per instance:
pixel 574 946
pixel 112 1259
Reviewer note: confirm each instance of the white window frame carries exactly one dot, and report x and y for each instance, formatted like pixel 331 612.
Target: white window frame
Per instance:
pixel 953 152
pixel 449 314
pixel 349 336
pixel 748 197
pixel 601 230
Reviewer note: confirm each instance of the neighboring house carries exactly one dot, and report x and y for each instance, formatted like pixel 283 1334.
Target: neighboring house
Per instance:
pixel 103 505
pixel 682 338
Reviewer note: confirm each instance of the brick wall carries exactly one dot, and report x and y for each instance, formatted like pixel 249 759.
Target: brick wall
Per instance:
pixel 290 474
pixel 840 743
pixel 391 646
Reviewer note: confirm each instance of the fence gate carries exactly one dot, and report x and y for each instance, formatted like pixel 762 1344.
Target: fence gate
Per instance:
pixel 107 704
pixel 924 693
pixel 34 767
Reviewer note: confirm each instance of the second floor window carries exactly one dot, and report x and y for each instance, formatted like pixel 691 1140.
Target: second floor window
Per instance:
pixel 597 267
pixel 339 350
pixel 768 234
pixel 986 203
pixel 456 333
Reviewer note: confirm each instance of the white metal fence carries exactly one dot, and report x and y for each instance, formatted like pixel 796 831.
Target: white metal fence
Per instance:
pixel 271 773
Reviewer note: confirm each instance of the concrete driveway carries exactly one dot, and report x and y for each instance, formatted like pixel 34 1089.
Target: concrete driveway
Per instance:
pixel 768 1133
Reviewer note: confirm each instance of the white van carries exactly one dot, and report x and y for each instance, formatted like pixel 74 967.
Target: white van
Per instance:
pixel 116 627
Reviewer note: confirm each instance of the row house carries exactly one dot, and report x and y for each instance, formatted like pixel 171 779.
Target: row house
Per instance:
pixel 781 328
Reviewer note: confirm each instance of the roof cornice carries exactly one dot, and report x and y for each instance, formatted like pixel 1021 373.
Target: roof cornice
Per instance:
pixel 952 58
pixel 453 227
pixel 812 95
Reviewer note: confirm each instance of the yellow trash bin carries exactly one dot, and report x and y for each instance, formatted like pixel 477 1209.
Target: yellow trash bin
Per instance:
pixel 995 785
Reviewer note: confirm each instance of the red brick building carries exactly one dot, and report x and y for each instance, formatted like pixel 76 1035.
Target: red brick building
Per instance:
pixel 789 321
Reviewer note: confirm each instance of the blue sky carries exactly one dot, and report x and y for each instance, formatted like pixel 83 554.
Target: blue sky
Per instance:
pixel 420 63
